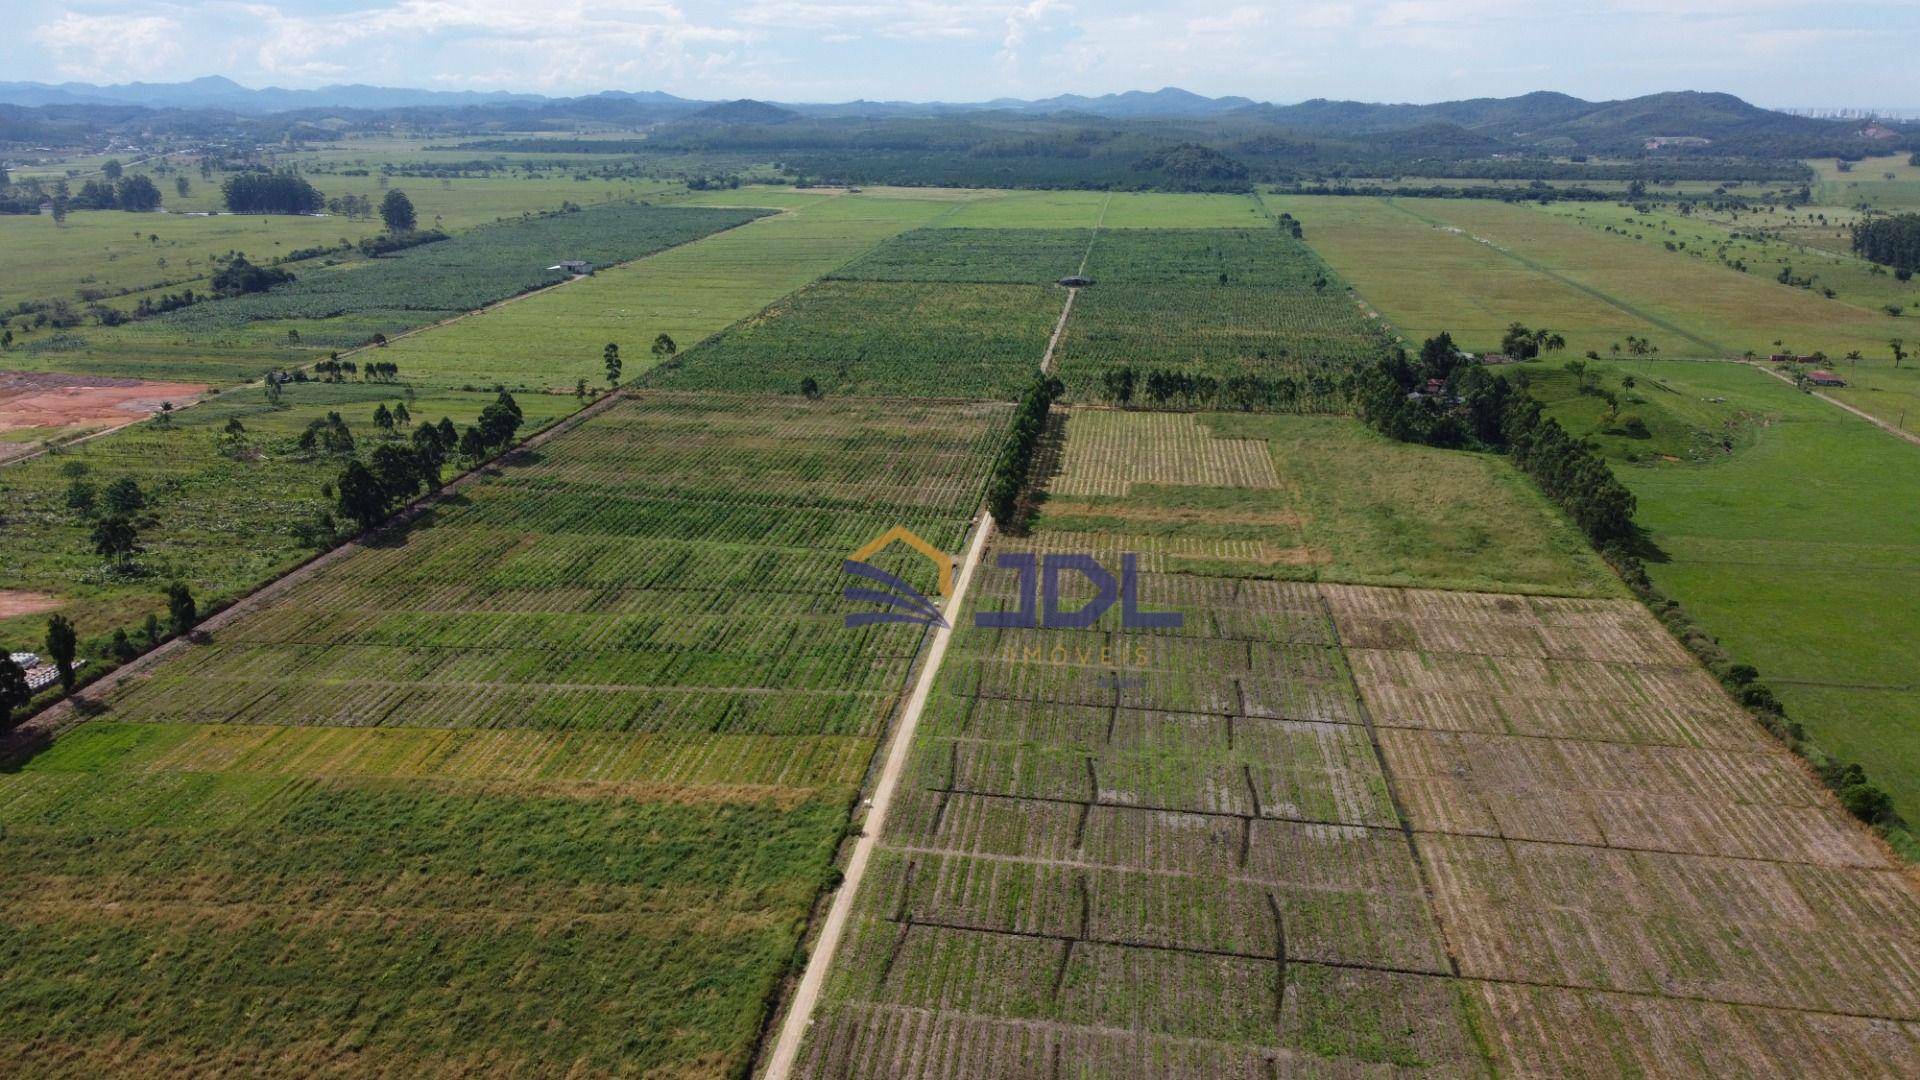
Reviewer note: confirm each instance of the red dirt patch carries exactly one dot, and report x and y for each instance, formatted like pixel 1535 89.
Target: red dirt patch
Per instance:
pixel 16 602
pixel 34 399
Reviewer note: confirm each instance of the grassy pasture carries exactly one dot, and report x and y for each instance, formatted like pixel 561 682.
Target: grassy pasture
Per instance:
pixel 1867 184
pixel 1701 310
pixel 1426 279
pixel 1473 267
pixel 628 728
pixel 1711 245
pixel 1798 552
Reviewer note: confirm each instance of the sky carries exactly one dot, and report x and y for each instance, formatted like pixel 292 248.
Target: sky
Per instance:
pixel 1782 53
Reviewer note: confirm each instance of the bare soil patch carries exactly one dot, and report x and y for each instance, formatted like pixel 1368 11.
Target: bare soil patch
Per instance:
pixel 36 399
pixel 20 602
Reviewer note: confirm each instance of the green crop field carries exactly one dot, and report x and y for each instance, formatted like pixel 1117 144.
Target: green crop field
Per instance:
pixel 611 876
pixel 222 522
pixel 979 256
pixel 687 293
pixel 1253 316
pixel 874 337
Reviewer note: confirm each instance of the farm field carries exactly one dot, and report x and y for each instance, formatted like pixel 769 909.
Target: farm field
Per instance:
pixel 1511 263
pixel 1798 552
pixel 595 716
pixel 1115 210
pixel 113 256
pixel 1339 828
pixel 688 293
pixel 1712 244
pixel 341 307
pixel 1304 498
pixel 1250 318
pixel 1614 847
pixel 225 524
pixel 220 522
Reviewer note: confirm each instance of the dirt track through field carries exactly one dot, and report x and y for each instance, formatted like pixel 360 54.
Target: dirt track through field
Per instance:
pixel 786 1050
pixel 1862 414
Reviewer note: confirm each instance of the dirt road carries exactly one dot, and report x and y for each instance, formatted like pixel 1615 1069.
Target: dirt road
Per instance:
pixel 793 1032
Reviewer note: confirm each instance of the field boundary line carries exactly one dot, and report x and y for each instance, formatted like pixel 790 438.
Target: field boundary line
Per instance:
pixel 1901 433
pixel 1712 348
pixel 786 1049
pixel 1059 331
pixel 76 707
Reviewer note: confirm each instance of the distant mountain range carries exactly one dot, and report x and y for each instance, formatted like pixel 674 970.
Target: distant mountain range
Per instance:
pixel 1506 117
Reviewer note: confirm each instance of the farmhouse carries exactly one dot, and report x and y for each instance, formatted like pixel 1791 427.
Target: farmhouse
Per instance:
pixel 573 266
pixel 1825 378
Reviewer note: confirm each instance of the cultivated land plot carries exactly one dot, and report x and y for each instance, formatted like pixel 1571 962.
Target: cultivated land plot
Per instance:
pixel 988 256
pixel 883 337
pixel 1228 306
pixel 1182 852
pixel 1596 819
pixel 593 717
pixel 343 306
pixel 1313 498
pixel 220 523
pixel 688 293
pixel 1165 853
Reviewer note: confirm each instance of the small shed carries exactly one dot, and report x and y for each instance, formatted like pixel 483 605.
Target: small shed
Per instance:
pixel 573 266
pixel 1825 378
pixel 1076 282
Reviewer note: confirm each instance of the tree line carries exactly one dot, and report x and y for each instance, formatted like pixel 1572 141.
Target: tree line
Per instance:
pixel 1014 465
pixel 1890 241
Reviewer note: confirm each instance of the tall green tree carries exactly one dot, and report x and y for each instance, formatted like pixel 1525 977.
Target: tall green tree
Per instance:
pixel 396 211
pixel 611 357
pixel 62 645
pixel 182 612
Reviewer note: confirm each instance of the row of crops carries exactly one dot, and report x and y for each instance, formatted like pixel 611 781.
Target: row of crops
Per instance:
pixel 1177 318
pixel 597 715
pixel 1147 844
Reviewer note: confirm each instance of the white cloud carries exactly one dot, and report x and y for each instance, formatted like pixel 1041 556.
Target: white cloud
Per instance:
pixel 110 46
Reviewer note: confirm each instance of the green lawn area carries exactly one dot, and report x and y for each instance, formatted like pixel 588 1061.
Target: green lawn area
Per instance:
pixel 1867 183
